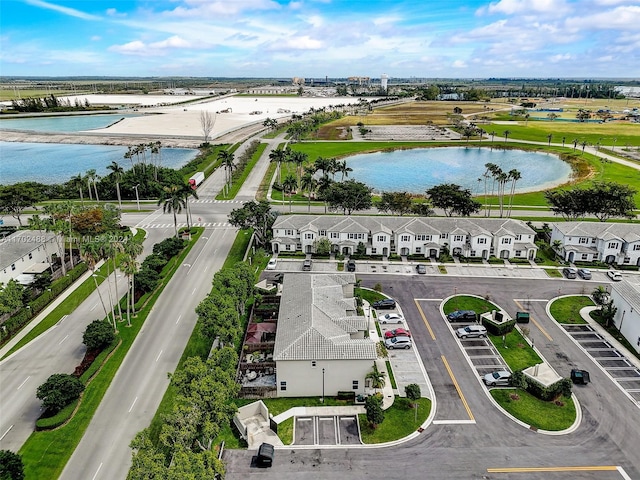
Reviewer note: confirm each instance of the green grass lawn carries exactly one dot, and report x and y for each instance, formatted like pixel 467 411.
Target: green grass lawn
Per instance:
pixel 369 295
pixel 398 421
pixel 238 182
pixel 467 302
pixel 285 431
pixel 515 350
pixel 553 272
pixel 535 412
pixel 567 309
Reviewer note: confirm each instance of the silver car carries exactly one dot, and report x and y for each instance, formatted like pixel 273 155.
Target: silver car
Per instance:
pixel 501 377
pixel 397 342
pixel 471 331
pixel 390 318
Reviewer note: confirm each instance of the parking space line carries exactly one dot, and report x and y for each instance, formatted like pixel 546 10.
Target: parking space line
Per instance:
pixel 455 384
pixel 424 319
pixel 542 330
pixel 595 468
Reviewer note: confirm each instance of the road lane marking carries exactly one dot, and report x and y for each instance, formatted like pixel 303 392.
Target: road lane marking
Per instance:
pixel 623 473
pixel 424 319
pixel 93 308
pixel 542 330
pixel 455 384
pixel 22 384
pixel 454 422
pixel 134 402
pixel 179 317
pixel 595 468
pixel 97 471
pixel 194 290
pixel 5 433
pixel 60 342
pixel 158 357
pixel 61 320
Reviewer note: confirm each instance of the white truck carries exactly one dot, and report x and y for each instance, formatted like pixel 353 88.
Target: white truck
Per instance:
pixel 196 180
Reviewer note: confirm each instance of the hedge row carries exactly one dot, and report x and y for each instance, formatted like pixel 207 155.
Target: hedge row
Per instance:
pixel 499 328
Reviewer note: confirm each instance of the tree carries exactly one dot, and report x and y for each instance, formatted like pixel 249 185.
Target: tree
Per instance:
pixel 565 387
pixel 78 182
pixel 514 175
pixel 348 196
pixel 188 191
pixel 322 246
pixel 610 199
pixel 549 137
pixel 117 172
pixel 377 377
pixel 373 409
pixel 583 115
pixel 600 296
pixel 226 158
pixel 129 265
pixel 608 313
pixel 172 200
pixel 298 159
pixel 506 134
pixel 453 199
pixel 308 183
pixel 11 296
pixel 412 391
pixel 92 178
pixel 255 215
pixel 278 156
pixel 270 123
pixel 98 335
pixel 289 185
pixel 14 199
pixel 518 380
pixel 11 467
pixel 58 391
pixel 207 122
pixel 571 204
pixel 399 203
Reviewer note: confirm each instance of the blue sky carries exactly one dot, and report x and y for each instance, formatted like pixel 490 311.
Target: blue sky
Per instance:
pixel 318 38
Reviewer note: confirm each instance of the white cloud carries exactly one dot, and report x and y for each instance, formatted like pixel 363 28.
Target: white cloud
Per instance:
pixel 459 64
pixel 510 7
pixel 625 18
pixel 561 57
pixel 96 38
pixel 172 42
pixel 215 8
pixel 72 12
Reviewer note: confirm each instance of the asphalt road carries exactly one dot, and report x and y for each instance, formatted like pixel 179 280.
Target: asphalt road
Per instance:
pixel 480 442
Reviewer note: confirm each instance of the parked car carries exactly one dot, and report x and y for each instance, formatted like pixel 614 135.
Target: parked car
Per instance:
pixel 390 318
pixel 570 272
pixel 306 265
pixel 615 276
pixel 420 268
pixel 584 273
pixel 278 277
pixel 272 264
pixel 461 316
pixel 471 331
pixel 351 266
pixel 385 303
pixel 266 452
pixel 397 332
pixel 397 342
pixel 501 377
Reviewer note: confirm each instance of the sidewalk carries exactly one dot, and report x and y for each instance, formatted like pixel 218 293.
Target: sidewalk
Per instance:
pixel 50 308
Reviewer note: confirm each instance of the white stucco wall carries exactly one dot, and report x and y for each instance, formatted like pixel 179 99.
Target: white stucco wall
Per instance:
pixel 304 380
pixel 627 320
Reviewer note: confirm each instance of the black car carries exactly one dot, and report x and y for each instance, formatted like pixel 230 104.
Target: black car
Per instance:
pixel 421 269
pixel 385 303
pixel 351 266
pixel 461 316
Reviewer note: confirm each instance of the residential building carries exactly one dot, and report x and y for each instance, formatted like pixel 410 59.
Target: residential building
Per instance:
pixel 26 253
pixel 614 243
pixel 418 236
pixel 322 346
pixel 626 298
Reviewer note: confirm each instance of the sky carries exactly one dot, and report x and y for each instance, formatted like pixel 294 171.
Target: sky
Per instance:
pixel 318 38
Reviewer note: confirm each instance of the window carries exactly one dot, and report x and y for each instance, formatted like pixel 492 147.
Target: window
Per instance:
pixel 308 236
pixel 593 240
pixel 418 250
pixel 444 235
pixel 425 238
pixel 335 235
pixel 355 384
pixel 381 238
pixel 518 237
pixel 472 253
pixel 287 247
pixel 323 233
pixel 583 240
pixel 482 241
pixel 355 236
pixel 518 252
pixel 30 255
pixel 283 386
pixel 506 241
pixel 612 245
pixel 585 256
pixel 627 260
pixel 313 363
pixel 458 238
pixel 299 246
pixel 636 247
pixel 374 251
pixel 289 233
pixel 13 267
pixel 405 238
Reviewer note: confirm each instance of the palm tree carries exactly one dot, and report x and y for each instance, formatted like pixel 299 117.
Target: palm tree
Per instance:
pixel 78 182
pixel 549 137
pixel 189 191
pixel 299 159
pixel 117 172
pixel 227 159
pixel 506 134
pixel 156 156
pixel 91 254
pixel 493 134
pixel 344 169
pixel 493 171
pixel 289 185
pixel 377 377
pixel 600 296
pixel 93 177
pixel 502 181
pixel 334 167
pixel 308 183
pixel 172 200
pixel 514 175
pixel 132 249
pixel 278 156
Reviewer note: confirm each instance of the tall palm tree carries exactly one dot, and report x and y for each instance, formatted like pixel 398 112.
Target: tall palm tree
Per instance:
pixel 344 169
pixel 514 175
pixel 491 171
pixel 322 164
pixel 308 183
pixel 502 178
pixel 377 377
pixel 506 134
pixel 172 200
pixel 227 158
pixel 117 172
pixel 289 185
pixel 132 250
pixel 189 192
pixel 493 134
pixel 90 252
pixel 278 156
pixel 78 182
pixel 299 159
pixel 156 157
pixel 334 167
pixel 549 137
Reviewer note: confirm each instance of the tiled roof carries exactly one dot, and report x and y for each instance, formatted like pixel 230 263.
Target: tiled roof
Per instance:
pixel 627 232
pixel 316 320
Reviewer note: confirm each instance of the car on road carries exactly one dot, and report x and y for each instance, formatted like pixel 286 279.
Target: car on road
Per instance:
pixel 306 265
pixel 272 264
pixel 613 275
pixel 500 377
pixel 421 269
pixel 471 331
pixel 384 303
pixel 397 332
pixel 390 318
pixel 570 272
pixel 351 266
pixel 397 342
pixel 584 273
pixel 278 278
pixel 461 316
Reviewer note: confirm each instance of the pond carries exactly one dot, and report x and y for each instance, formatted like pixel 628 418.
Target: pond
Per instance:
pixel 417 170
pixel 52 163
pixel 69 123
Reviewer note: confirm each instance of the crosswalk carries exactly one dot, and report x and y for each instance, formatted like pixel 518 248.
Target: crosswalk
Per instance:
pixel 183 224
pixel 206 200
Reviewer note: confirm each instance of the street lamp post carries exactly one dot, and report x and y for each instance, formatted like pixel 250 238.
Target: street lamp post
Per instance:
pixel 322 399
pixel 137 196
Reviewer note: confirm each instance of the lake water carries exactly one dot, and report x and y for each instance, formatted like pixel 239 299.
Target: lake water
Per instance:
pixel 70 123
pixel 416 170
pixel 51 163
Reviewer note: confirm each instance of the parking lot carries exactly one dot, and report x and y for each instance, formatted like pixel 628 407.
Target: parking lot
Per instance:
pixel 326 430
pixel 623 372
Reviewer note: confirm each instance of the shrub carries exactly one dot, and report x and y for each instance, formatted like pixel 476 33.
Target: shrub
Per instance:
pixel 499 328
pixel 11 467
pixel 561 387
pixel 98 335
pixel 169 247
pixel 58 391
pixel 155 262
pixel 146 279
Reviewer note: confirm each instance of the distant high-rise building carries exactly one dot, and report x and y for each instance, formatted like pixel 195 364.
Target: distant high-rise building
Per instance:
pixel 383 81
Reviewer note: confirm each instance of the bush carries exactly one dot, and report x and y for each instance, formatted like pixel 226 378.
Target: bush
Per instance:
pixel 561 387
pixel 347 395
pixel 57 420
pixel 169 247
pixel 499 329
pixel 146 280
pixel 98 335
pixel 58 391
pixel 11 467
pixel 154 262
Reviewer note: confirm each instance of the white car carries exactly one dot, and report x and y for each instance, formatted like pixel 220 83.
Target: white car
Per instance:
pixel 501 377
pixel 471 331
pixel 390 318
pixel 272 264
pixel 615 276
